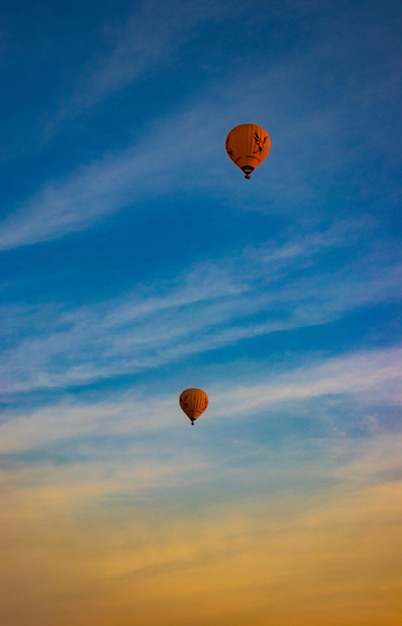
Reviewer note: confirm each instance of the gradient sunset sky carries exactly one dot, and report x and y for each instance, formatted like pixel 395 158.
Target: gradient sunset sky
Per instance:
pixel 136 261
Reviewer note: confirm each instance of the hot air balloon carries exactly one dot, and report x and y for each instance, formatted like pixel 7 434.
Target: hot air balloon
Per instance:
pixel 193 402
pixel 248 146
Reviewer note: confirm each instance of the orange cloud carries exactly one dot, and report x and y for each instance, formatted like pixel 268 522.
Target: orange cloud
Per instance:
pixel 329 557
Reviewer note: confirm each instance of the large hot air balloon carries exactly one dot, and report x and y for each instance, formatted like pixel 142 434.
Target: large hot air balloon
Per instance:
pixel 248 145
pixel 193 402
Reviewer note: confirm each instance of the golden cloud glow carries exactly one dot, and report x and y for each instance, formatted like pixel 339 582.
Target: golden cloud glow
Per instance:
pixel 331 557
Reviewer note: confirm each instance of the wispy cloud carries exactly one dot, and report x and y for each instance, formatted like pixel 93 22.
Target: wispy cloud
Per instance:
pixel 86 532
pixel 368 378
pixel 264 290
pixel 187 149
pixel 373 376
pixel 259 552
pixel 149 40
pixel 145 170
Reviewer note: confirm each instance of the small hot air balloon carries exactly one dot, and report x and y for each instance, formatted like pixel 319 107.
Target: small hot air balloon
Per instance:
pixel 193 402
pixel 248 146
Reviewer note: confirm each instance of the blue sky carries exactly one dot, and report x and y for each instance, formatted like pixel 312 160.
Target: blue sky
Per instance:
pixel 136 261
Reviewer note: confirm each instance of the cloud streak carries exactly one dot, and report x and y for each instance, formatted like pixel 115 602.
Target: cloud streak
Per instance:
pixel 149 40
pixel 185 145
pixel 145 170
pixel 369 378
pixel 264 290
pixel 327 551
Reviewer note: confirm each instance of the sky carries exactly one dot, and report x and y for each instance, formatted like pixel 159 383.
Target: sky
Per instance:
pixel 136 261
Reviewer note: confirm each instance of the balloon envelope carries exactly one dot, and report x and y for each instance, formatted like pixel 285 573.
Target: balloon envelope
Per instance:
pixel 248 146
pixel 193 402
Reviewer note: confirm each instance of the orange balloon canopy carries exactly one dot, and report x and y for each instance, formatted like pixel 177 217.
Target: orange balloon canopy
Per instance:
pixel 248 146
pixel 193 402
